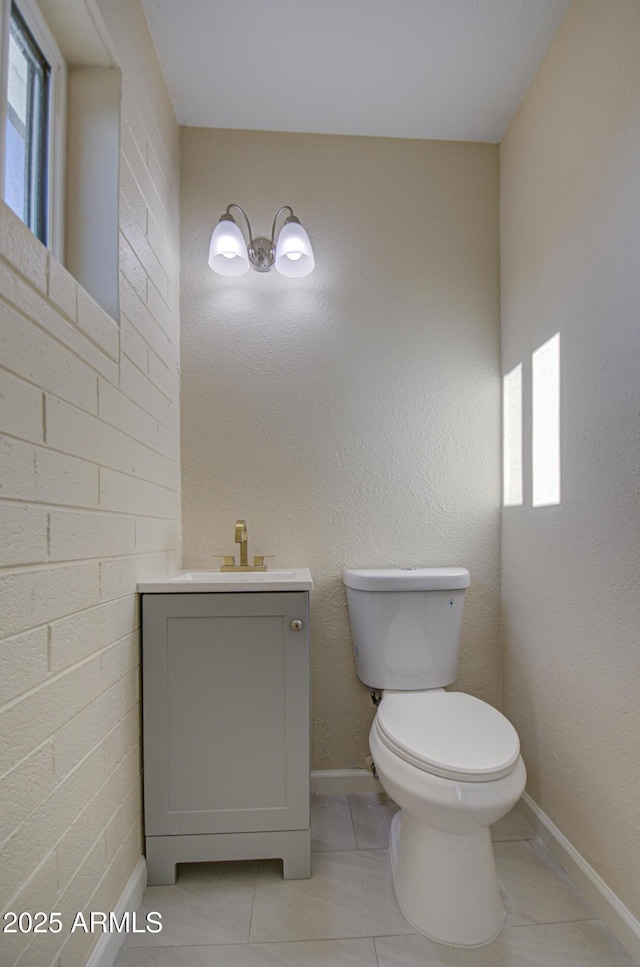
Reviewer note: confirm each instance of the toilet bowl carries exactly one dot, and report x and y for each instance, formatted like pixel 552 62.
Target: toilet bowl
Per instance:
pixel 450 761
pixel 441 853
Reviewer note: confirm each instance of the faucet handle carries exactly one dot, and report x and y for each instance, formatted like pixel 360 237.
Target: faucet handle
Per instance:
pixel 229 560
pixel 259 559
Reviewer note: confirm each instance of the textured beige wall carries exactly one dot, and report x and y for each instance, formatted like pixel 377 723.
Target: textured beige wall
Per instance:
pixel 351 416
pixel 570 242
pixel 89 481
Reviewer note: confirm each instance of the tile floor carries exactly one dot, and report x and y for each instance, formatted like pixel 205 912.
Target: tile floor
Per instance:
pixel 346 915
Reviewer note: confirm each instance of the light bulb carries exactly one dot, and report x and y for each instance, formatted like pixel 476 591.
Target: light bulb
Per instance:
pixel 228 250
pixel 294 255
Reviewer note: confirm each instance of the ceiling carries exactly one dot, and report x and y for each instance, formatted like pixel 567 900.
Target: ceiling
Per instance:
pixel 442 69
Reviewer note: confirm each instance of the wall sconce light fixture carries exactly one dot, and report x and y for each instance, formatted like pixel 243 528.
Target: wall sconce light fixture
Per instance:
pixel 290 251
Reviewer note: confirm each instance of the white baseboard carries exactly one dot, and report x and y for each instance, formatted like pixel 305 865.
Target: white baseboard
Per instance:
pixel 108 946
pixel 609 908
pixel 334 782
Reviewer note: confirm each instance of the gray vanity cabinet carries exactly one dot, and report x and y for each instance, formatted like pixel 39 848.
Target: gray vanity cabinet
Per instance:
pixel 226 729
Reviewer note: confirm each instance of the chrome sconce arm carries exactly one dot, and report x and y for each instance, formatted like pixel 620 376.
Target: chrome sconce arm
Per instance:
pixel 290 251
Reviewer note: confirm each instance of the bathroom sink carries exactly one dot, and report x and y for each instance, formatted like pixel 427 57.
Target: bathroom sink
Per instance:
pixel 188 582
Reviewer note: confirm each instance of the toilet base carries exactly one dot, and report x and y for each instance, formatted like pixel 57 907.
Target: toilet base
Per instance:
pixel 446 883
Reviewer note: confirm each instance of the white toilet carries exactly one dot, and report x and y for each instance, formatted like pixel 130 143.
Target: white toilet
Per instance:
pixel 451 762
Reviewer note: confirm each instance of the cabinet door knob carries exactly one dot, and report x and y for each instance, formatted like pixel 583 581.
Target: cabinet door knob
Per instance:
pixel 296 624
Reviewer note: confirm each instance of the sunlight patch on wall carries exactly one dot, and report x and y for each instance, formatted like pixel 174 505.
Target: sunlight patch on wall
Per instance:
pixel 512 437
pixel 545 427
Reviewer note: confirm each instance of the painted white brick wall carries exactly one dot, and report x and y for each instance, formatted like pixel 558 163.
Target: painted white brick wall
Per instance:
pixel 89 503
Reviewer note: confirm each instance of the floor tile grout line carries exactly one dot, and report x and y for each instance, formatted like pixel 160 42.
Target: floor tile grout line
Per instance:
pixel 265 943
pixel 343 849
pixel 552 923
pixel 353 825
pixel 256 943
pixel 253 900
pixel 345 799
pixel 375 951
pixel 512 839
pixel 386 936
pixel 270 943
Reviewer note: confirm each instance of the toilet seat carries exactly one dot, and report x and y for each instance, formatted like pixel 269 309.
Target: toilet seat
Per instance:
pixel 448 734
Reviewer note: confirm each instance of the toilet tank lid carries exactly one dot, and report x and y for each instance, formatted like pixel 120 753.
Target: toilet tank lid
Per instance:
pixel 408 579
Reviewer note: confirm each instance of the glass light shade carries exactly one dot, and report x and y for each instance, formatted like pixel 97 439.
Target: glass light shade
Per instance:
pixel 294 255
pixel 228 250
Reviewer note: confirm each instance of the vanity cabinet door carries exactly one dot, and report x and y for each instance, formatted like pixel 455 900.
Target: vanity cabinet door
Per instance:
pixel 226 712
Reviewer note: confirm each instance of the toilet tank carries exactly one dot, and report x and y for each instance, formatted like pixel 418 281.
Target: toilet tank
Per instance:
pixel 406 625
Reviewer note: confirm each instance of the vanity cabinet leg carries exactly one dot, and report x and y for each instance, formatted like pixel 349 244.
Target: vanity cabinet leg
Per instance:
pixel 296 861
pixel 161 863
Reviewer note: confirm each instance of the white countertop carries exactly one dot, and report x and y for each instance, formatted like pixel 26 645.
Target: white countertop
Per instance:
pixel 190 582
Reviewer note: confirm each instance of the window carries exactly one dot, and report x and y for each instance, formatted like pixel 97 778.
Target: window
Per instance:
pixel 545 426
pixel 512 437
pixel 27 126
pixel 32 118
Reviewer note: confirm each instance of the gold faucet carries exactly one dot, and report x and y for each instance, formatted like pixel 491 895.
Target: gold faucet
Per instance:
pixel 240 537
